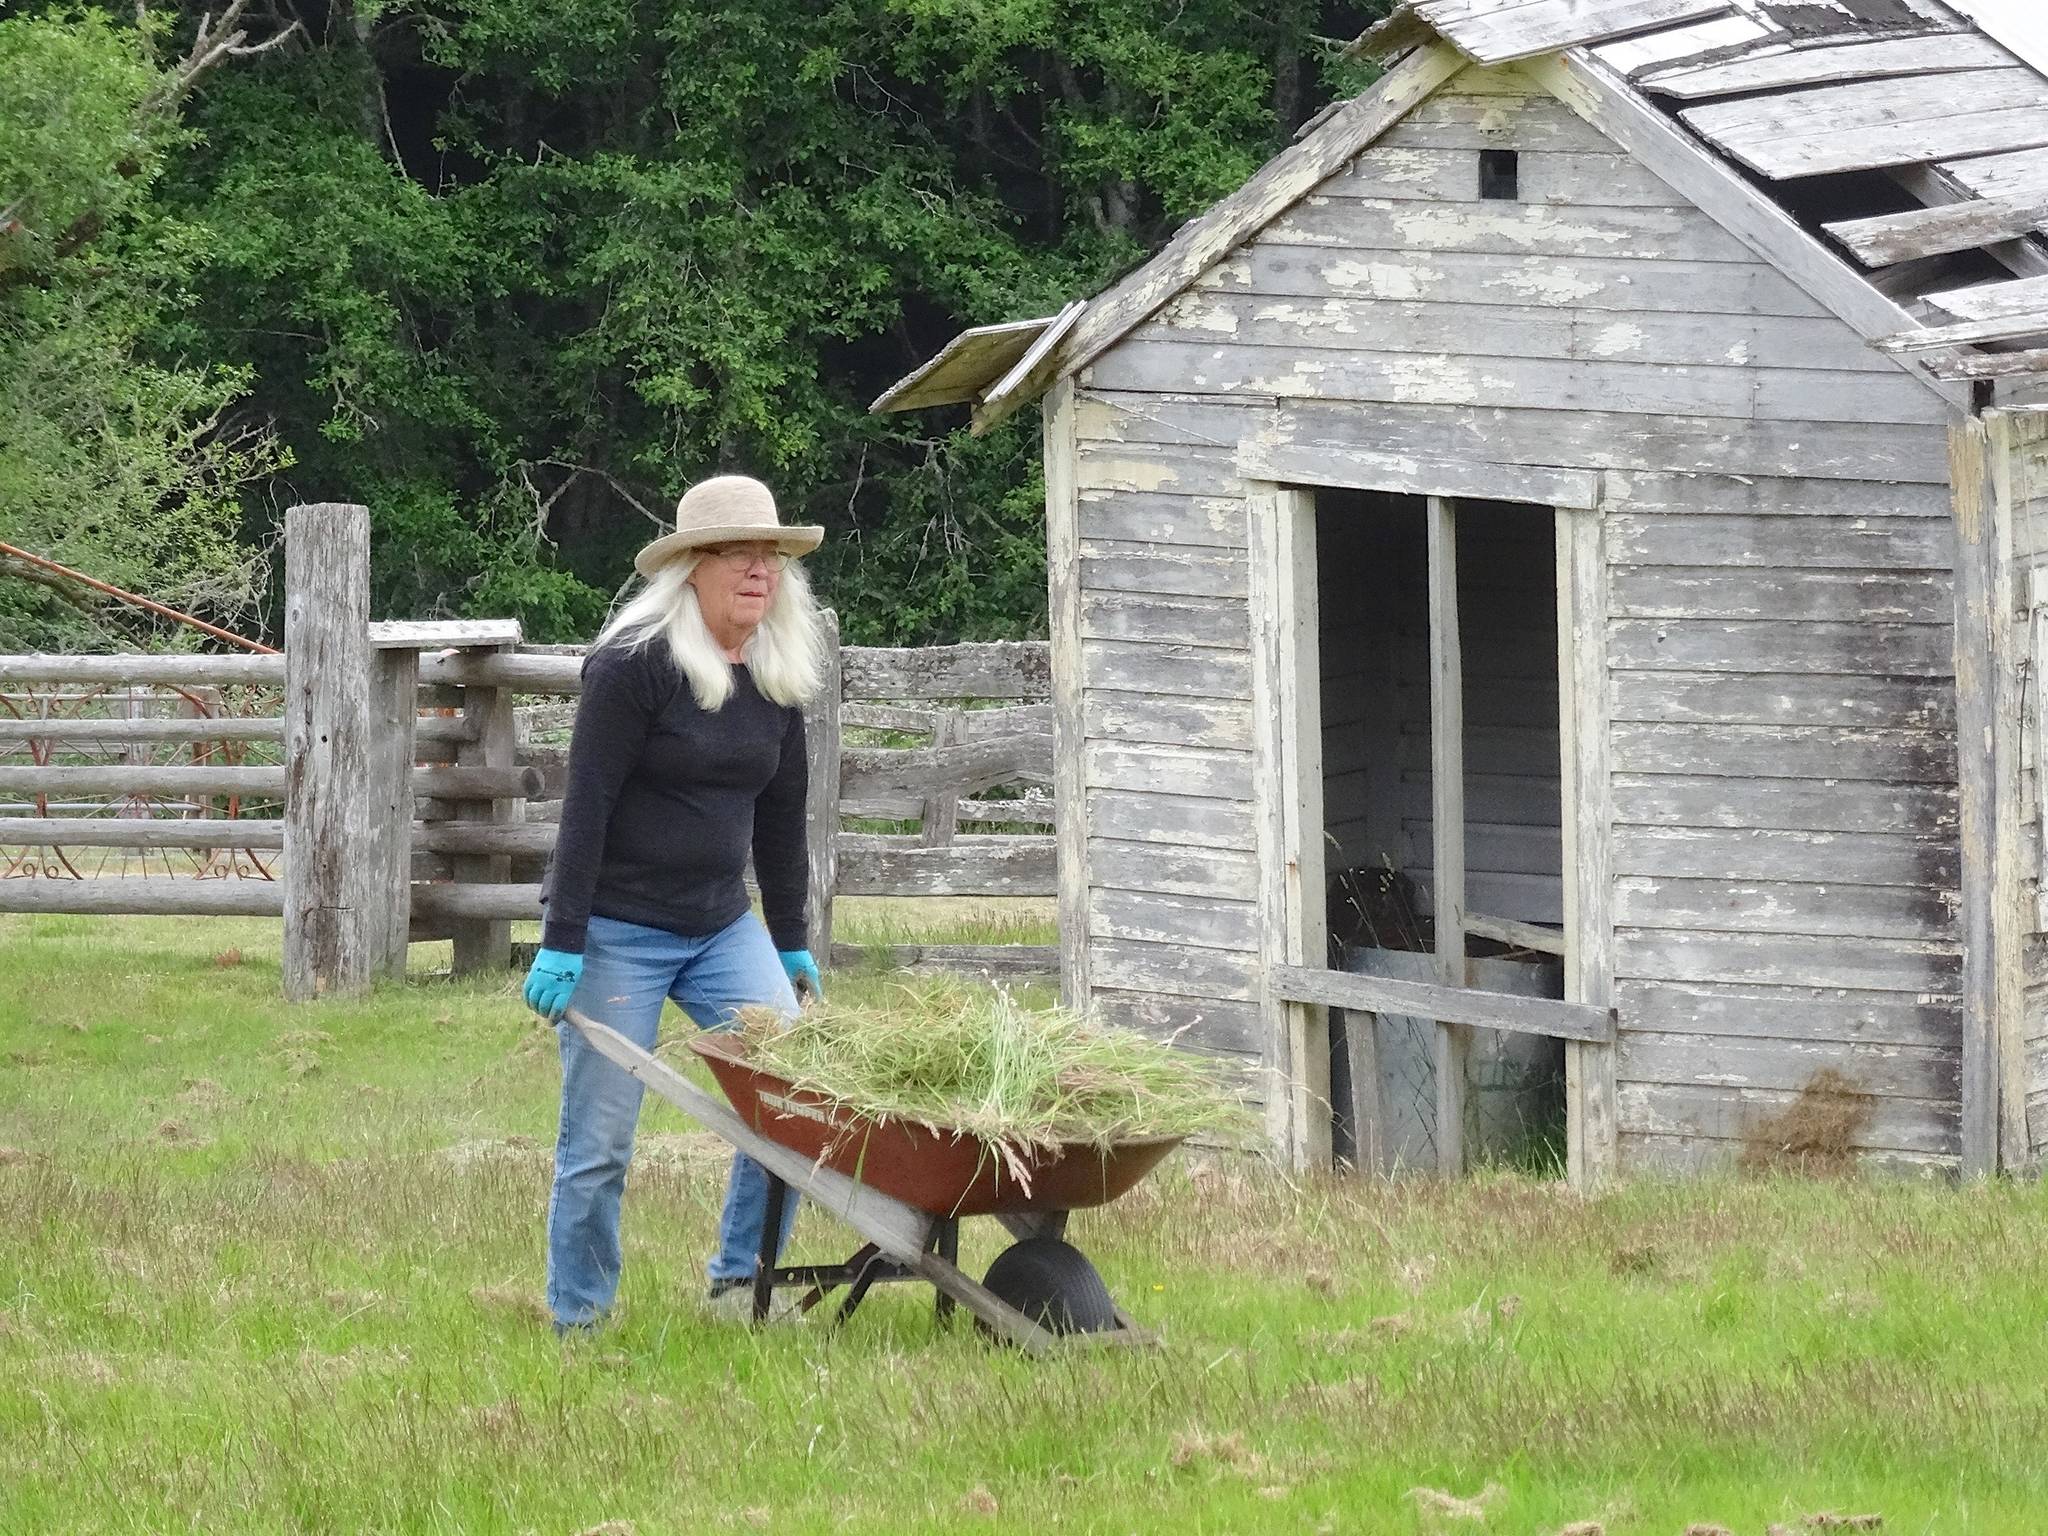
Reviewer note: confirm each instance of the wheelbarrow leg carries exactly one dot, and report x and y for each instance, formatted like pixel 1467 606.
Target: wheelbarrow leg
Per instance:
pixel 873 1270
pixel 946 1244
pixel 771 1229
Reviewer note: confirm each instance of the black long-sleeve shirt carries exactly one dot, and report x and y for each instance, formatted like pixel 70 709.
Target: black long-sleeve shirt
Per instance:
pixel 664 801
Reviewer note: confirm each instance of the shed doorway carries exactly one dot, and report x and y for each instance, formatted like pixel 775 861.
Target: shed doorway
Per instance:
pixel 1443 821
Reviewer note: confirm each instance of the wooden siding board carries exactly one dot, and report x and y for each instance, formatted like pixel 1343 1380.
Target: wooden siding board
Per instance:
pixel 1153 916
pixel 1763 854
pixel 1712 645
pixel 1604 177
pixel 1207 672
pixel 1769 592
pixel 1127 436
pixel 1784 752
pixel 1737 1011
pixel 1539 331
pixel 1204 1024
pixel 1208 825
pixel 1506 229
pixel 1616 281
pixel 1195 524
pixel 1783 698
pixel 1871 544
pixel 1167 869
pixel 1624 388
pixel 1815 960
pixel 1786 907
pixel 1786 1066
pixel 1790 805
pixel 1924 1127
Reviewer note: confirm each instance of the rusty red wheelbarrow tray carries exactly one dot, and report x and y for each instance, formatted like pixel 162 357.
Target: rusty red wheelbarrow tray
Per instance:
pixel 903 1187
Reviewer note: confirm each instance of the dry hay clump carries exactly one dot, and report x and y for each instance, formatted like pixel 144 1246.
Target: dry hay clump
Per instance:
pixel 953 1057
pixel 1817 1133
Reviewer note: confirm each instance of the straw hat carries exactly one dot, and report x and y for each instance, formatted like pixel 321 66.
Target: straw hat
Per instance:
pixel 726 509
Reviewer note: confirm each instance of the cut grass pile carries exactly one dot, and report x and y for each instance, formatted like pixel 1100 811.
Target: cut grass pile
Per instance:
pixel 951 1055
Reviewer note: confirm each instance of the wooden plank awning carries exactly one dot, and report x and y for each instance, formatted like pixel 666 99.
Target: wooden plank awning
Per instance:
pixel 964 367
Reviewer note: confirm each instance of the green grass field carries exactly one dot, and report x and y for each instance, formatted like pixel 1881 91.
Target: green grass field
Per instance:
pixel 269 1268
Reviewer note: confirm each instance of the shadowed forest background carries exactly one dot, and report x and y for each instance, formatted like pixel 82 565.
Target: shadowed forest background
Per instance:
pixel 514 272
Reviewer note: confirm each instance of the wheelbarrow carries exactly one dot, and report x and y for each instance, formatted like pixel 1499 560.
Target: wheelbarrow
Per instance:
pixel 905 1189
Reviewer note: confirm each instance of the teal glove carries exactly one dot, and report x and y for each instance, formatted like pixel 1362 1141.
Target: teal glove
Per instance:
pixel 552 982
pixel 803 972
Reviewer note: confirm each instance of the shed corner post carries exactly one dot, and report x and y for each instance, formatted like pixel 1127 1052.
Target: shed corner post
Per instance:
pixel 1287 771
pixel 1069 724
pixel 821 802
pixel 1585 711
pixel 332 941
pixel 1987 675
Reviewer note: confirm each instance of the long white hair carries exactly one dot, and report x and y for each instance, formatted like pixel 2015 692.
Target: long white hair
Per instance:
pixel 786 653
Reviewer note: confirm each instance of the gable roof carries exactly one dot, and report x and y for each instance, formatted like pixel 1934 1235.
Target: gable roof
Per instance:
pixel 1746 107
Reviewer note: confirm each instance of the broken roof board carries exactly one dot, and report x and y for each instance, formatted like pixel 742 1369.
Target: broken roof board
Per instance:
pixel 1502 31
pixel 2019 173
pixel 1784 67
pixel 967 364
pixel 1870 124
pixel 1966 226
pixel 1994 301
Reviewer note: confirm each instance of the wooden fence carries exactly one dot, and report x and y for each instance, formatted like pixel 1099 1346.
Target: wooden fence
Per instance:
pixel 421 765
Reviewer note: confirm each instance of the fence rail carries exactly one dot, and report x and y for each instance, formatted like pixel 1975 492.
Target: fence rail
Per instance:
pixel 416 802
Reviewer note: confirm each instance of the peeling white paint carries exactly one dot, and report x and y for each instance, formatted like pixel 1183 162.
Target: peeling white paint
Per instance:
pixel 1548 285
pixel 1214 318
pixel 1322 317
pixel 1739 354
pixel 1379 279
pixel 1618 339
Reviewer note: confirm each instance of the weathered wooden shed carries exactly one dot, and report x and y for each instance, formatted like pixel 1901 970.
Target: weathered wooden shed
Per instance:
pixel 1592 473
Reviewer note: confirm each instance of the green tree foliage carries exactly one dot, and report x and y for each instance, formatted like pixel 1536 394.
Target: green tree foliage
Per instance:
pixel 116 454
pixel 514 272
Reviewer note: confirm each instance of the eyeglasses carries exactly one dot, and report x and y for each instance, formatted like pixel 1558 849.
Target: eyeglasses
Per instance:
pixel 741 557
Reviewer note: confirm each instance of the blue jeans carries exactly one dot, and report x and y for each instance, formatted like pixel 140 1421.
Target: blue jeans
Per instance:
pixel 628 971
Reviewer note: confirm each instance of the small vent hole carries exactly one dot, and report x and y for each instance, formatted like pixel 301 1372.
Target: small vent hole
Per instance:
pixel 1500 175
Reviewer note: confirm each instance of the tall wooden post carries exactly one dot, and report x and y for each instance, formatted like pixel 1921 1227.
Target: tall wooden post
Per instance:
pixel 821 801
pixel 332 940
pixel 1287 774
pixel 1447 817
pixel 1988 774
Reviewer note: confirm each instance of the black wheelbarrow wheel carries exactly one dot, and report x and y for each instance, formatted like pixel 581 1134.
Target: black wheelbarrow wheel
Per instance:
pixel 1054 1285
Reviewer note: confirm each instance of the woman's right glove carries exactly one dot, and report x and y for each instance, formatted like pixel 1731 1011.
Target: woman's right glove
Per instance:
pixel 552 982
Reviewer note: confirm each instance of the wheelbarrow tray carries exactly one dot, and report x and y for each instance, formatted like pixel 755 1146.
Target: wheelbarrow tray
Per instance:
pixel 904 1241
pixel 940 1170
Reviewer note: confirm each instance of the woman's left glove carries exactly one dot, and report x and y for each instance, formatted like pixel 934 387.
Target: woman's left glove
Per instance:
pixel 803 972
pixel 552 982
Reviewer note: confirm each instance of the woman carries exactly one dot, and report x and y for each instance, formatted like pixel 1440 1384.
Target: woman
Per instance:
pixel 688 753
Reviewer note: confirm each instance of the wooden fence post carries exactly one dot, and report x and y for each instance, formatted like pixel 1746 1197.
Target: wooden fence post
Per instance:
pixel 821 802
pixel 332 932
pixel 388 799
pixel 483 944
